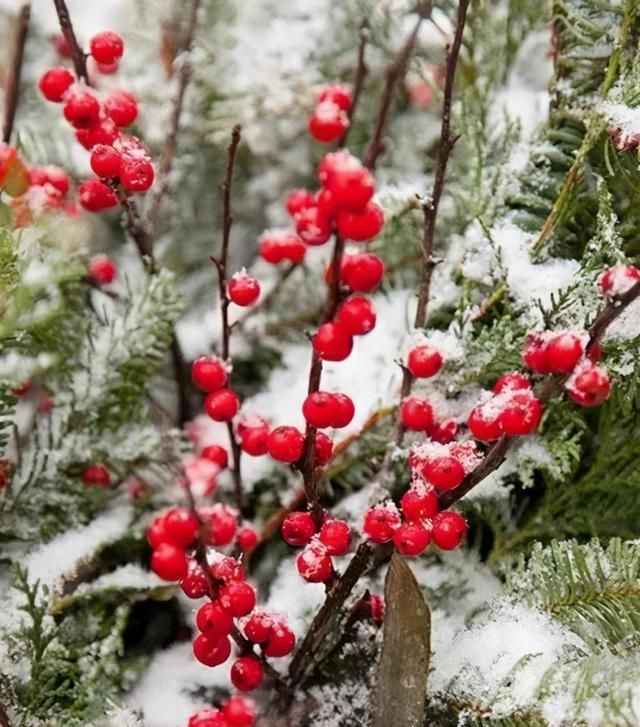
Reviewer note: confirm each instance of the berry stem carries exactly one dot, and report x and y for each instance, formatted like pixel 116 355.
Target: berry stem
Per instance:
pixel 77 54
pixel 12 94
pixel 431 204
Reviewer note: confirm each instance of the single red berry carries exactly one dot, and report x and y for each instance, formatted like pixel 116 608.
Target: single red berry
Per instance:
pixel 380 522
pixel 243 289
pixel 281 641
pixel 23 388
pixel 343 410
pixel 312 226
pixel 535 353
pixel 589 387
pixel 285 444
pixel 156 533
pixel 246 673
pixel 55 83
pixel 253 434
pixel 449 529
pixel 521 414
pixel 563 352
pixel 278 246
pixel 416 414
pixel 211 653
pixel 81 109
pixel 319 409
pixel 424 361
pixel 214 621
pixel 208 717
pixel 169 562
pixel 194 584
pixel 314 563
pixel 444 472
pixel 106 47
pixel 217 454
pixel 102 270
pixel 328 122
pixel 222 405
pixel 618 279
pixel 335 535
pixel 323 449
pixel 181 526
pixel 247 538
pixel 136 175
pixel 357 315
pixel 297 200
pixel 332 342
pixel 101 132
pixel 326 203
pixel 238 597
pixel 227 569
pixel 239 712
pixel 105 161
pixel 209 373
pixel 96 196
pixel 351 184
pixel 122 107
pixel 411 539
pixel 337 94
pixel 513 381
pixel 258 628
pixel 444 432
pixel 96 475
pixel 484 422
pixel 420 503
pixel 298 528
pixel 221 522
pixel 376 608
pixel 594 352
pixel 362 273
pixel 361 226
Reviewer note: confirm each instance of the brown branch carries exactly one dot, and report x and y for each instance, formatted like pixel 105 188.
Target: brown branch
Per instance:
pixel 359 77
pixel 136 228
pixel 12 94
pixel 78 56
pixel 447 141
pixel 395 71
pixel 171 142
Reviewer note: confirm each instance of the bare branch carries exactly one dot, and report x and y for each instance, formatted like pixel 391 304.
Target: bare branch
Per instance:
pixel 15 70
pixel 78 56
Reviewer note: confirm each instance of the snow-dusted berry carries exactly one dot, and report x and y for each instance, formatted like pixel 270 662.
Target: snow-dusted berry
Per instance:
pixel 332 342
pixel 238 597
pixel 243 289
pixel 335 535
pixel 589 386
pixel 297 200
pixel 103 131
pixel 258 628
pixel 122 107
pixel 322 448
pixel 361 226
pixel 106 47
pixel 420 503
pixel 209 373
pixel 222 405
pixel 214 621
pixel 211 653
pixel 380 522
pixel 221 523
pixel 278 246
pixel 618 279
pixel 208 717
pixel 351 184
pixel 484 422
pixel 357 315
pixel 96 196
pixel 312 226
pixel 416 414
pixel 253 433
pixel 285 444
pixel 328 122
pixel 246 673
pixel 362 273
pixel 319 409
pixel 521 414
pixel 512 381
pixel 102 270
pixel 449 529
pixel 298 528
pixel 96 475
pixel 55 83
pixel 444 472
pixel 424 361
pixel 169 562
pixel 444 431
pixel 564 350
pixel 194 584
pixel 314 563
pixel 81 108
pixel 281 641
pixel 535 353
pixel 136 175
pixel 337 94
pixel 411 539
pixel 239 712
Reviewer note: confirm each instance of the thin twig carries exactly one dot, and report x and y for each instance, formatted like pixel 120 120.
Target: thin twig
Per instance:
pixel 15 70
pixel 171 142
pixel 78 56
pixel 359 77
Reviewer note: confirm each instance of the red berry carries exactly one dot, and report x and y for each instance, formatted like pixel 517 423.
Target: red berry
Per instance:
pixel 350 183
pixel 106 47
pixel 420 503
pixel 239 712
pixel 247 539
pixel 449 529
pixel 222 523
pixel 326 203
pixel 280 642
pixel 521 414
pixel 101 132
pixel 55 83
pixel 253 433
pixel 200 475
pixel 216 454
pixel 61 44
pixel 314 563
pixel 238 597
pixel 319 409
pixel 102 270
pixel 424 361
pixel 361 226
pixel 444 472
pixel 181 526
pixel 208 717
pixel 335 535
pixel 535 353
pixel 411 539
pixel 136 175
pixel 590 386
pixel 444 432
pixel 618 279
pixel 343 410
pixel 107 68
pixel 278 246
pixel 594 352
pixel 484 422
pixel 312 226
pixel 298 528
pixel 156 533
pixel 297 200
pixel 214 621
pixel 362 273
pixel 258 627
pixel 243 289
pixel 211 653
pixel 328 122
pixel 563 353
pixel 285 444
pixel 209 373
pixel 380 522
pixel 95 196
pixel 416 414
pixel 332 342
pixel 96 475
pixel 227 569
pixel 246 673
pixel 169 562
pixel 512 381
pixel 222 405
pixel 105 161
pixel 122 107
pixel 194 584
pixel 81 109
pixel 323 449
pixel 376 608
pixel 338 94
pixel 357 315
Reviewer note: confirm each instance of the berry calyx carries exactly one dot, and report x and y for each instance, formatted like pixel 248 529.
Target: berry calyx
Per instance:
pixel 285 444
pixel 416 414
pixel 297 529
pixel 106 47
pixel 411 539
pixel 380 522
pixel 314 563
pixel 55 83
pixel 424 361
pixel 449 529
pixel 246 673
pixel 102 270
pixel 209 373
pixel 222 405
pixel 357 315
pixel 332 342
pixel 243 289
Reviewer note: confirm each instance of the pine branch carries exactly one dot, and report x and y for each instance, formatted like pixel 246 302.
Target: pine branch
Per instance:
pixel 15 70
pixel 78 56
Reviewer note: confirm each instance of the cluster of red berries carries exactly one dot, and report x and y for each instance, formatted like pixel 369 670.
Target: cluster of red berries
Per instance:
pixel 333 538
pixel 234 712
pixel 330 119
pixel 117 159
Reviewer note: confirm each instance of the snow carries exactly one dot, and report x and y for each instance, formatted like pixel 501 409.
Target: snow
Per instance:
pixel 624 119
